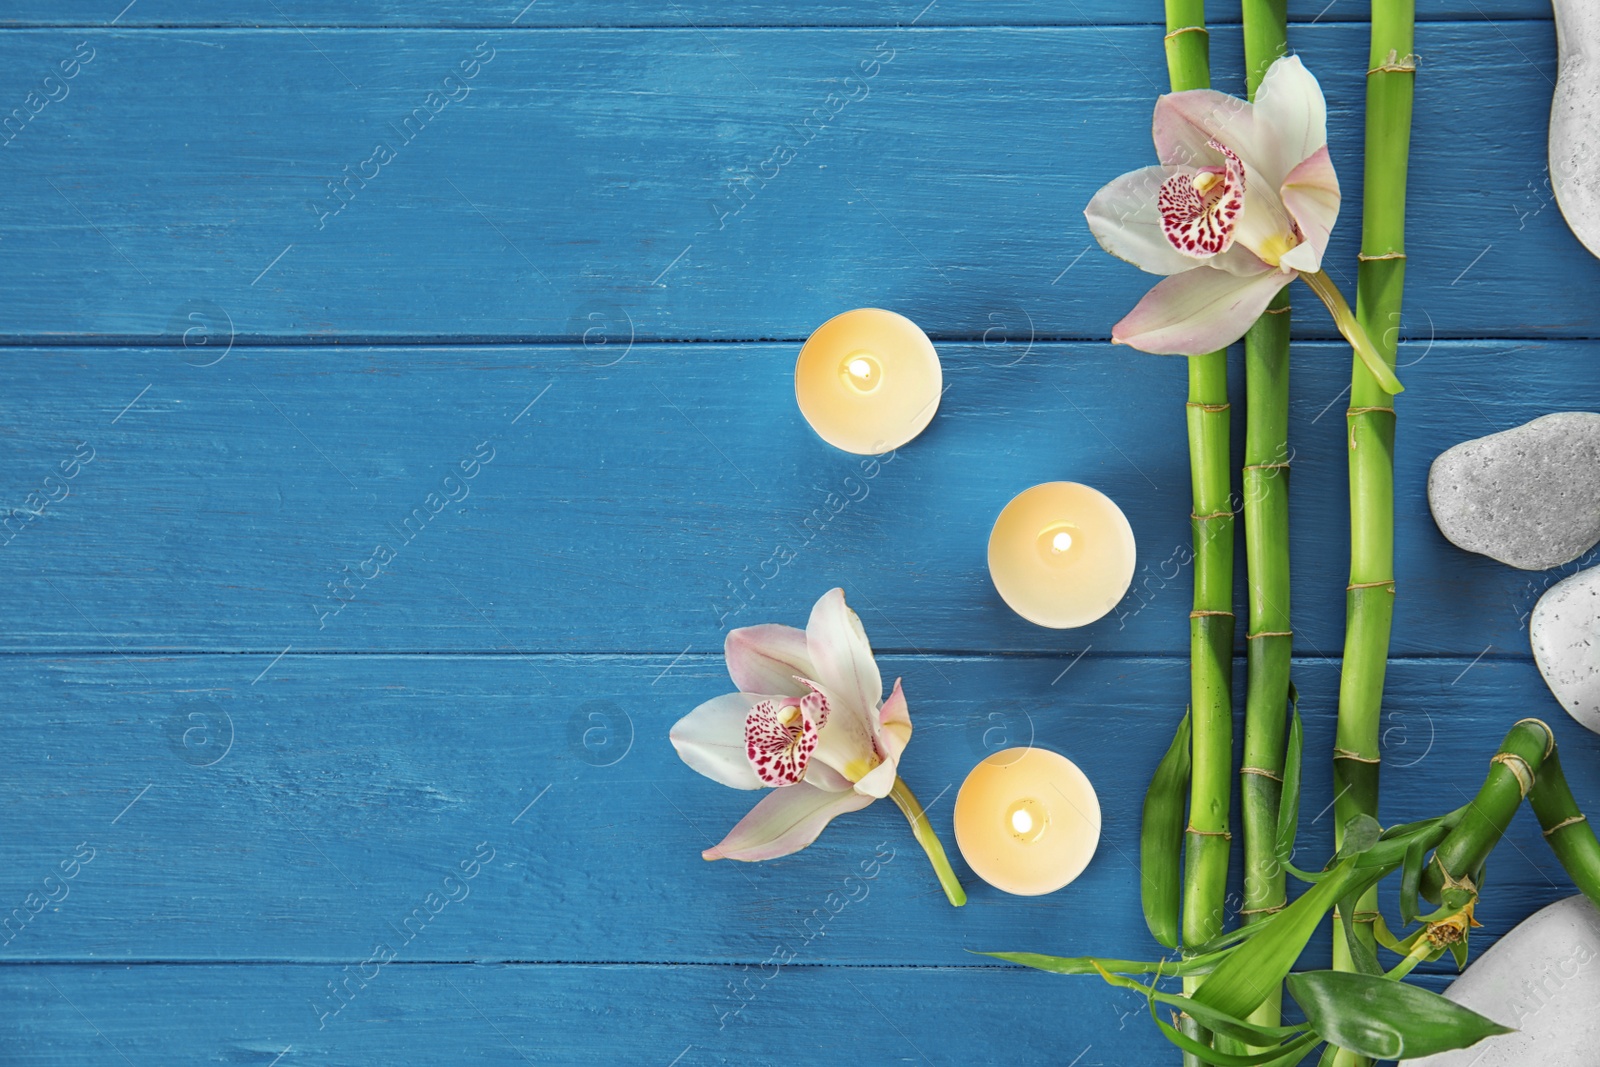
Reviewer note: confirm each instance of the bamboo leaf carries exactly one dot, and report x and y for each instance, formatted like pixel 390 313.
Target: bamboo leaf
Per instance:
pixel 1194 965
pixel 1161 839
pixel 1289 798
pixel 1273 1057
pixel 1248 974
pixel 1217 1022
pixel 1361 953
pixel 1361 833
pixel 1411 882
pixel 1386 1020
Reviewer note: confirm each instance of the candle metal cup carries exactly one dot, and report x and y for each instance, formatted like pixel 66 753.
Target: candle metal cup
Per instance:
pixel 868 381
pixel 1061 554
pixel 1027 821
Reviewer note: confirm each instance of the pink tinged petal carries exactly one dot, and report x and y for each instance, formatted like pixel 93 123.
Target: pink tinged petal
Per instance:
pixel 767 659
pixel 894 722
pixel 779 736
pixel 710 739
pixel 1186 123
pixel 1198 210
pixel 1292 116
pixel 823 776
pixel 1125 219
pixel 842 655
pixel 1197 312
pixel 894 732
pixel 1241 261
pixel 847 743
pixel 1311 194
pixel 786 821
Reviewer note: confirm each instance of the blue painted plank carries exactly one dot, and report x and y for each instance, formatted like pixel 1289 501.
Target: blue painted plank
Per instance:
pixel 667 181
pixel 652 498
pixel 247 808
pixel 654 1015
pixel 706 13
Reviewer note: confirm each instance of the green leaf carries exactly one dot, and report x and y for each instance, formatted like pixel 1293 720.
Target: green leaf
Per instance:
pixel 1161 839
pixel 1458 952
pixel 1385 1020
pixel 1194 965
pixel 1248 974
pixel 1289 798
pixel 1411 882
pixel 1361 953
pixel 1273 1057
pixel 1360 834
pixel 1217 1022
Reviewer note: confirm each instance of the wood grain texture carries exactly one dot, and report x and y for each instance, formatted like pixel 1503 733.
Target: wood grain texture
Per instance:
pixel 651 504
pixel 244 747
pixel 239 808
pixel 707 13
pixel 668 179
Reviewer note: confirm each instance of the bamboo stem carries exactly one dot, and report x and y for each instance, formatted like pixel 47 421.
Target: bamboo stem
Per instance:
pixel 1568 832
pixel 1211 623
pixel 1369 604
pixel 1450 877
pixel 1269 643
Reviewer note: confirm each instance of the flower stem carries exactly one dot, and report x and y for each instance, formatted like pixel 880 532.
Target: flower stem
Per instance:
pixel 922 830
pixel 1269 642
pixel 1354 331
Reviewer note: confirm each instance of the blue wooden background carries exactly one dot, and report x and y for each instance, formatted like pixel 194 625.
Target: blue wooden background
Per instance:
pixel 585 277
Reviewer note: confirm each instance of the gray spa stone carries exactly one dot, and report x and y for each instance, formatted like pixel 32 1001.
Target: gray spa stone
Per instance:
pixel 1528 496
pixel 1565 633
pixel 1543 978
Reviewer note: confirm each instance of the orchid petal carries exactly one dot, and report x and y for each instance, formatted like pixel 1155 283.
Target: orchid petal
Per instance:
pixel 894 731
pixel 1124 218
pixel 1311 193
pixel 1196 312
pixel 710 739
pixel 1291 117
pixel 780 735
pixel 842 655
pixel 823 776
pixel 767 659
pixel 1186 123
pixel 847 743
pixel 1241 261
pixel 786 821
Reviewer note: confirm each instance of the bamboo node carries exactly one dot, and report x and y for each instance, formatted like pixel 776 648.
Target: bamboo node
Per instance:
pixel 1186 29
pixel 1345 753
pixel 1208 407
pixel 1549 734
pixel 1213 515
pixel 1371 585
pixel 1564 823
pixel 1197 614
pixel 1208 833
pixel 1363 411
pixel 1396 64
pixel 1263 772
pixel 1262 911
pixel 1269 633
pixel 1266 466
pixel 1517 766
pixel 1364 258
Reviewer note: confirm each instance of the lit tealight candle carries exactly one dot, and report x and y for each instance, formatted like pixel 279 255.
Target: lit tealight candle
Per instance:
pixel 1061 554
pixel 1027 821
pixel 868 381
